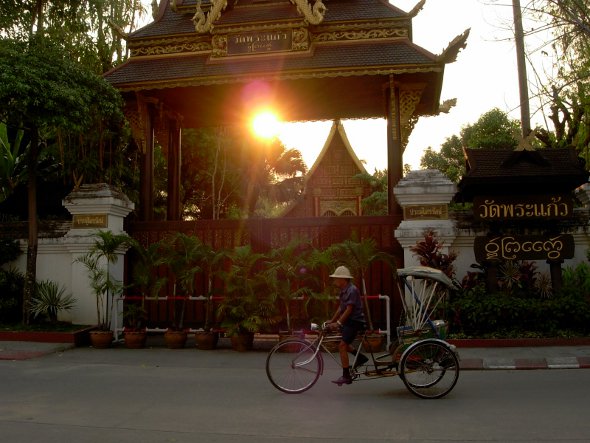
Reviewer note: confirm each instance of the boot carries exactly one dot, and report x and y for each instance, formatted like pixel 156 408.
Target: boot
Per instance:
pixel 345 379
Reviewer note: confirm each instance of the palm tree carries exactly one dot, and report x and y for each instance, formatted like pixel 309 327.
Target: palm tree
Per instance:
pixel 274 171
pixel 107 246
pixel 286 275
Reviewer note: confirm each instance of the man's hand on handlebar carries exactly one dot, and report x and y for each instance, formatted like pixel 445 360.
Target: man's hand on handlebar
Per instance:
pixel 332 327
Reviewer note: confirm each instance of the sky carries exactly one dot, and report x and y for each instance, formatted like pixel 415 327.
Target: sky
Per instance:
pixel 483 77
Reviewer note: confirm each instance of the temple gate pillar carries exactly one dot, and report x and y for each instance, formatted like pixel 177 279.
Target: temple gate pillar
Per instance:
pixel 173 211
pixel 424 197
pixel 394 146
pixel 93 207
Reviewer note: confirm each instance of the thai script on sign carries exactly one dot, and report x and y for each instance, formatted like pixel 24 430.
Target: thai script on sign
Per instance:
pixel 426 212
pixel 508 247
pixel 83 221
pixel 522 207
pixel 257 42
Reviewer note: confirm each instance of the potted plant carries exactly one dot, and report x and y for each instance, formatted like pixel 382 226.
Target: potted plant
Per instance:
pixel 144 262
pixel 211 260
pixel 104 252
pixel 287 278
pixel 245 308
pixel 183 254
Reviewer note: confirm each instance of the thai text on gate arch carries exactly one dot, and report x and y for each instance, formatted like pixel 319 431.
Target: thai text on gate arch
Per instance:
pixel 493 209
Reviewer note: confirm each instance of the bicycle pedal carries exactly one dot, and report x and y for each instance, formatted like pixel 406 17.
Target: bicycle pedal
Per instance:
pixel 382 363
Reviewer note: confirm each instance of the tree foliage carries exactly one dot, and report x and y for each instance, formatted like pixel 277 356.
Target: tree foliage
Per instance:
pixel 227 174
pixel 90 31
pixel 47 96
pixel 493 130
pixel 567 92
pixel 376 203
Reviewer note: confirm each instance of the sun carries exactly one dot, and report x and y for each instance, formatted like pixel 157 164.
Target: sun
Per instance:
pixel 266 124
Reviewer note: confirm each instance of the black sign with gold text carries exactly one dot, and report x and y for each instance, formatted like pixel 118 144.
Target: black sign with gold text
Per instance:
pixel 522 207
pixel 524 247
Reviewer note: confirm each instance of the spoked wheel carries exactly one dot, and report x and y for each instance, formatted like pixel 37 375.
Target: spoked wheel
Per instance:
pixel 429 368
pixel 292 367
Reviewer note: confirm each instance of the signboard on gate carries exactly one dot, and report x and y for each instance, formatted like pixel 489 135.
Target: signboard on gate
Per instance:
pixel 487 208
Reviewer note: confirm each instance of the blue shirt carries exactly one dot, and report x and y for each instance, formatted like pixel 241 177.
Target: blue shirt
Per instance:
pixel 350 295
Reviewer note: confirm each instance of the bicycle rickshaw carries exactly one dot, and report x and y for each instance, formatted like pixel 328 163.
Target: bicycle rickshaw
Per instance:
pixel 427 364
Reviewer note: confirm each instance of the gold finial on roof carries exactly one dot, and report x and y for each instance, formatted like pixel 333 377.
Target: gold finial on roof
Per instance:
pixel 416 9
pixel 449 55
pixel 313 15
pixel 204 23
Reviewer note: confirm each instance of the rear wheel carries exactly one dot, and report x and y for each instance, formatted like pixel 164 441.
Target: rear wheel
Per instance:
pixel 293 366
pixel 429 368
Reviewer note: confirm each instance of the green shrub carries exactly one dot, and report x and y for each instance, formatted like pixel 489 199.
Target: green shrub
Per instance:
pixel 50 299
pixel 475 313
pixel 11 294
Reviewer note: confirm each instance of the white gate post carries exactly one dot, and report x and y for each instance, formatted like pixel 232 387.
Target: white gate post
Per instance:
pixel 424 197
pixel 93 207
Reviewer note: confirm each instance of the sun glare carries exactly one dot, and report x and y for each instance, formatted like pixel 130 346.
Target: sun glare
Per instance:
pixel 266 124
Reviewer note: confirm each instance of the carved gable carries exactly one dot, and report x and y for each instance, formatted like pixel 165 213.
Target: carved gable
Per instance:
pixel 331 188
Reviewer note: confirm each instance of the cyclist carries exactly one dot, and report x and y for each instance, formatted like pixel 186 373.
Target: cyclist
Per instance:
pixel 349 318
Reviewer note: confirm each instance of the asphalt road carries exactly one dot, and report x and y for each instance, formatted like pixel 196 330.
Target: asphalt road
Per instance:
pixel 161 395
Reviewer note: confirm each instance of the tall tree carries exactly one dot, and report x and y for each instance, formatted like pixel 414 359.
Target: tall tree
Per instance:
pixel 45 94
pixel 227 174
pixel 567 92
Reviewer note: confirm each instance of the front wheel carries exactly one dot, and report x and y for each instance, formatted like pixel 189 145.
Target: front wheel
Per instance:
pixel 293 366
pixel 429 368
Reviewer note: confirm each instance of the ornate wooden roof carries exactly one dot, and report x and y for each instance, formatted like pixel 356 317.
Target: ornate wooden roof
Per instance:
pixel 508 172
pixel 313 61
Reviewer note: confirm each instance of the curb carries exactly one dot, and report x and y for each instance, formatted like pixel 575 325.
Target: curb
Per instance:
pixel 478 364
pixel 27 352
pixel 517 342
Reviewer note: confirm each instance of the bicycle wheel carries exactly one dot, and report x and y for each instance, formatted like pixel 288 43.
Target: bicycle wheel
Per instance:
pixel 293 366
pixel 429 368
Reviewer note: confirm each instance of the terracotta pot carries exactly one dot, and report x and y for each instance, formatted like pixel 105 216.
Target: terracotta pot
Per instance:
pixel 373 343
pixel 242 342
pixel 135 339
pixel 101 339
pixel 175 339
pixel 206 340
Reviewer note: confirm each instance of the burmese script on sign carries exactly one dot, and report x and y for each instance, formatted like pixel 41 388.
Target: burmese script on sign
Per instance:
pixel 531 247
pixel 259 42
pixel 522 207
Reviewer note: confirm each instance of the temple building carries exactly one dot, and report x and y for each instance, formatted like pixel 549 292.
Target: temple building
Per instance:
pixel 215 62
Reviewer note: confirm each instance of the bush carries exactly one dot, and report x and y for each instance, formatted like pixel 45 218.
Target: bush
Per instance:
pixel 11 290
pixel 9 251
pixel 474 313
pixel 50 299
